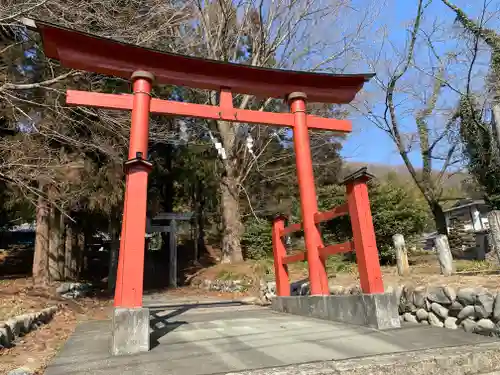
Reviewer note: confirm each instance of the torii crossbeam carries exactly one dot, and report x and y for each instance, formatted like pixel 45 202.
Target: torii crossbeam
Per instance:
pixel 144 66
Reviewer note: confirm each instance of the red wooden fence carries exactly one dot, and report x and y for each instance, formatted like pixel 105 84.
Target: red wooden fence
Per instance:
pixel 358 209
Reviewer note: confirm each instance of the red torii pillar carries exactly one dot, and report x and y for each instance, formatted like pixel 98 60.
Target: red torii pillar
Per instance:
pixel 129 280
pixel 308 202
pixel 130 319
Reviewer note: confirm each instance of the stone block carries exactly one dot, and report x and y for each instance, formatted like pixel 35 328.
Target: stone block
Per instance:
pixel 422 314
pixel 440 311
pixel 450 323
pixel 485 327
pixel 15 326
pixel 441 295
pixel 130 333
pixel 410 318
pixel 469 325
pixel 434 320
pixel 455 309
pixel 419 296
pixel 373 310
pixel 21 371
pixel 484 304
pixel 466 296
pixel 496 310
pixel 467 312
pixel 6 337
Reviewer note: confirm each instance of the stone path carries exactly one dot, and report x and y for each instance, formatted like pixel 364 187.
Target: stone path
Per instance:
pixel 211 337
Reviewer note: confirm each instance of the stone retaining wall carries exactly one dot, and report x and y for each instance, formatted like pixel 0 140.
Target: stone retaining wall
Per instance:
pixel 218 285
pixel 474 310
pixel 20 325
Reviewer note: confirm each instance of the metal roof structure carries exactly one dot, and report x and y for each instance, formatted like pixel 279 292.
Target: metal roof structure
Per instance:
pixel 78 50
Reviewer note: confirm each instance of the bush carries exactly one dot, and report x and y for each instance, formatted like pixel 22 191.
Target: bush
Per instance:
pixel 396 208
pixel 257 239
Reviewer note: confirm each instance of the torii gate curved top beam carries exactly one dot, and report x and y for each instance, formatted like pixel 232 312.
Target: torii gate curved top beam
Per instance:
pixel 83 51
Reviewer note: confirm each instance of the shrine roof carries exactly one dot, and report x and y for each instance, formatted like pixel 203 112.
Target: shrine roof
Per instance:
pixel 78 50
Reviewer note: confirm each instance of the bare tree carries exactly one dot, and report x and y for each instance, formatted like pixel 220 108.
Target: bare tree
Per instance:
pixel 252 32
pixel 489 36
pixel 275 35
pixel 433 132
pixel 50 159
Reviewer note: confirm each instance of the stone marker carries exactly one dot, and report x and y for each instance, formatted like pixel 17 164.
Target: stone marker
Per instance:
pixel 401 254
pixel 444 255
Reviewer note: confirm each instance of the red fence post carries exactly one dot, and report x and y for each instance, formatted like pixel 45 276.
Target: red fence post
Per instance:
pixel 363 232
pixel 279 252
pixel 308 202
pixel 130 274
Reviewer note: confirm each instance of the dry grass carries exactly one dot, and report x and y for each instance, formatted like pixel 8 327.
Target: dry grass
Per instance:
pixel 34 350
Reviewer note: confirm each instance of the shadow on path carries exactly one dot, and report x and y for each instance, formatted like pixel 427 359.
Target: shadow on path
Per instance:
pixel 160 325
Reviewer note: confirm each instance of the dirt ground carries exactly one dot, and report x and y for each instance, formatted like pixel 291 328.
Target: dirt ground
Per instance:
pixel 424 270
pixel 36 349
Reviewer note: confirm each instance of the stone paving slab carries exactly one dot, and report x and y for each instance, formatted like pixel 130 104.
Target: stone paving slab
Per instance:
pixel 214 337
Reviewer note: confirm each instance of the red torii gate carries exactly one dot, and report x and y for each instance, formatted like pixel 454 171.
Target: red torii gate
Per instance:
pixel 82 51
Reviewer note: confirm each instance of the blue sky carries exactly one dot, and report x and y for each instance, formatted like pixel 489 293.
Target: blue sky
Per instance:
pixel 368 143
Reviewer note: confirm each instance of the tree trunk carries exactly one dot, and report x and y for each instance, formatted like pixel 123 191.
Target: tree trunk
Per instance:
pixel 439 217
pixel 86 251
pixel 231 221
pixel 40 258
pixel 199 224
pixel 172 270
pixel 80 250
pixel 71 253
pixel 68 253
pixel 113 255
pixel 231 216
pixel 56 246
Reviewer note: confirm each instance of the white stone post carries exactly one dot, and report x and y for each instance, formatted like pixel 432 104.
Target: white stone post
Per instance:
pixel 444 255
pixel 401 254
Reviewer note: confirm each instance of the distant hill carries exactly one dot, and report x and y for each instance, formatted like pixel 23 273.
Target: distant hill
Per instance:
pixel 454 183
pixel 451 180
